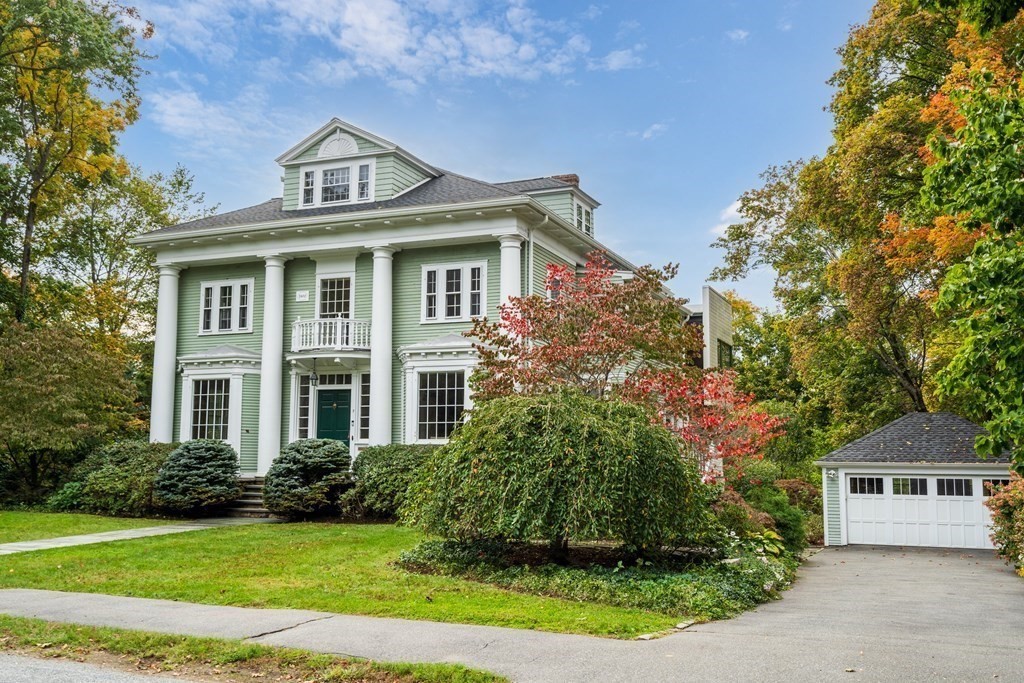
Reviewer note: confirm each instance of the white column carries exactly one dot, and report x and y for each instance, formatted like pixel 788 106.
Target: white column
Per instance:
pixel 381 352
pixel 271 367
pixel 165 357
pixel 511 267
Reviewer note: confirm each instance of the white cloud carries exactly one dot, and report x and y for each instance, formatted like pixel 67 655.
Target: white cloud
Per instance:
pixel 213 129
pixel 654 130
pixel 627 27
pixel 617 60
pixel 730 215
pixel 592 12
pixel 784 25
pixel 738 35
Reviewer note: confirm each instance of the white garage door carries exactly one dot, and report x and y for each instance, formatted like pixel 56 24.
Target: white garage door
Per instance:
pixel 910 509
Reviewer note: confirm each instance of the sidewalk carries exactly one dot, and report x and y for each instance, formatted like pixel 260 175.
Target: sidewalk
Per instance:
pixel 126 534
pixel 881 613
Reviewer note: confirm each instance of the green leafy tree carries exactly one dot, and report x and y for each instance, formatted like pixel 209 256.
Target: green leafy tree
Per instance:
pixel 59 396
pixel 55 129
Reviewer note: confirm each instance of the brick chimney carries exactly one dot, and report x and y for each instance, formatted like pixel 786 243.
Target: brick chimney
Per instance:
pixel 570 178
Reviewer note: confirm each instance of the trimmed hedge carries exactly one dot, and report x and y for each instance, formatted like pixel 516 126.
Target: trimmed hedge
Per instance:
pixel 198 475
pixel 383 475
pixel 563 467
pixel 307 478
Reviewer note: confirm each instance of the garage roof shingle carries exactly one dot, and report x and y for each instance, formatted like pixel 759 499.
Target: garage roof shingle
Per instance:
pixel 942 438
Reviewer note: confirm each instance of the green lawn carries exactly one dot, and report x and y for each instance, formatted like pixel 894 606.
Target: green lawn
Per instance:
pixel 342 568
pixel 32 526
pixel 214 658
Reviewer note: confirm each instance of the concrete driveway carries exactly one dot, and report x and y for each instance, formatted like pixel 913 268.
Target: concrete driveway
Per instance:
pixel 855 613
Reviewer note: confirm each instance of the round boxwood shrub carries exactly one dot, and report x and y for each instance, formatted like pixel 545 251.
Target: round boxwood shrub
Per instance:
pixel 561 467
pixel 383 475
pixel 307 478
pixel 198 475
pixel 123 484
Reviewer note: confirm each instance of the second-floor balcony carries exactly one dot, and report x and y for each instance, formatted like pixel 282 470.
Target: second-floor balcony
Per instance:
pixel 330 334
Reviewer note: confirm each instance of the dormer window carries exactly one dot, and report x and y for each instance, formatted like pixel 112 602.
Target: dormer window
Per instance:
pixel 584 218
pixel 334 186
pixel 330 183
pixel 308 189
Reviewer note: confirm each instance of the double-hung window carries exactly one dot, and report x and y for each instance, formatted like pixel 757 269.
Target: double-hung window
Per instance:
pixel 308 187
pixel 454 292
pixel 584 217
pixel 226 307
pixel 334 185
pixel 363 191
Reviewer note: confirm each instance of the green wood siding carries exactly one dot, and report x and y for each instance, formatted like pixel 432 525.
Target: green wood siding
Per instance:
pixel 250 423
pixel 291 188
pixel 299 274
pixel 190 341
pixel 542 257
pixel 833 522
pixel 408 329
pixel 394 175
pixel 560 203
pixel 363 287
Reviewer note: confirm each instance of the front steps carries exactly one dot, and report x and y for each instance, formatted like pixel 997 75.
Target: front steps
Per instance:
pixel 251 502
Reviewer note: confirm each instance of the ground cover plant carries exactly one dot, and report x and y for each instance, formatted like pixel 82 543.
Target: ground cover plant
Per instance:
pixel 343 568
pixel 692 588
pixel 227 660
pixel 31 526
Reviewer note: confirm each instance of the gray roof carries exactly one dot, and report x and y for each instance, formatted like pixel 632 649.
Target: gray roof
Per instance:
pixel 535 185
pixel 448 188
pixel 942 438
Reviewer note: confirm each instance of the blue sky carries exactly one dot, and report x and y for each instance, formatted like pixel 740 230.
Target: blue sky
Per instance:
pixel 667 110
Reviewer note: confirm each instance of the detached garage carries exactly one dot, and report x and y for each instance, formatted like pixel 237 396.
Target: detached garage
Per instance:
pixel 916 481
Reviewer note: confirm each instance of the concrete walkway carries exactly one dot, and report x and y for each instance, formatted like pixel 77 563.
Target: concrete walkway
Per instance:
pixel 126 534
pixel 855 614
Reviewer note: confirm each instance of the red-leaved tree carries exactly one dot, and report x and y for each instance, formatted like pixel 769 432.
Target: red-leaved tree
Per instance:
pixel 622 336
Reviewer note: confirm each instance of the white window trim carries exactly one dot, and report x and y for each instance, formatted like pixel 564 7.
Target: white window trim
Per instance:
pixel 584 207
pixel 413 368
pixel 217 284
pixel 234 403
pixel 352 164
pixel 351 275
pixel 466 266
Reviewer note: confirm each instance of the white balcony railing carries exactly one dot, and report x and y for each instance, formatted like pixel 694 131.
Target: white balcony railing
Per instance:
pixel 330 333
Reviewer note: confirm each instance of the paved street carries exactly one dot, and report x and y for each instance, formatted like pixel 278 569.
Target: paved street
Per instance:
pixel 18 669
pixel 854 614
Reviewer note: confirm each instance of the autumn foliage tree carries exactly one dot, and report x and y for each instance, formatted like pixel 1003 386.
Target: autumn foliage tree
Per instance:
pixel 624 338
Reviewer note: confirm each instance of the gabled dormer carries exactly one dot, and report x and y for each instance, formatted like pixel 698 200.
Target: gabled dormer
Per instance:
pixel 341 164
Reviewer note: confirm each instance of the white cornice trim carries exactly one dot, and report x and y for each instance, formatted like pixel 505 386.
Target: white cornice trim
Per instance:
pixel 568 188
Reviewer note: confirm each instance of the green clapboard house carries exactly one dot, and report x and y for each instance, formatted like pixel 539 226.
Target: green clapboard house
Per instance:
pixel 337 310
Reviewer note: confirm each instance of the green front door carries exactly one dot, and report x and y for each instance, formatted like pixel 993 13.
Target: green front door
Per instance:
pixel 333 414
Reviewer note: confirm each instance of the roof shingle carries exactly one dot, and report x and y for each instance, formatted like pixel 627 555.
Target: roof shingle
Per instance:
pixel 942 438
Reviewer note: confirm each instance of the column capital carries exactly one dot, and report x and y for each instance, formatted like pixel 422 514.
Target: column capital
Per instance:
pixel 170 269
pixel 513 240
pixel 274 260
pixel 383 251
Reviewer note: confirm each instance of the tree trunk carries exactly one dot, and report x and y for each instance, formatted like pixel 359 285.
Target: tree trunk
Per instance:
pixel 558 551
pixel 21 307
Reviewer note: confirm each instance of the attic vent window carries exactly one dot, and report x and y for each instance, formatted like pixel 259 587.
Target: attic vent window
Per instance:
pixel 338 145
